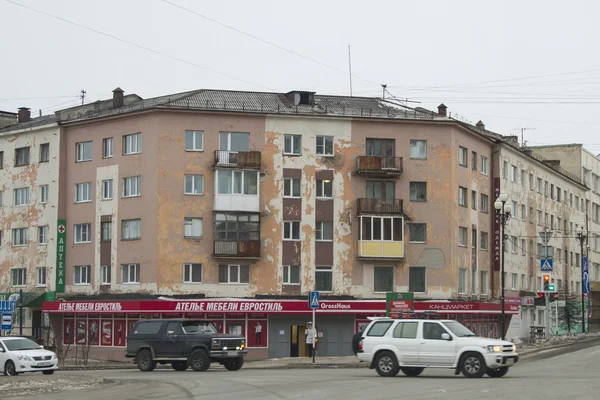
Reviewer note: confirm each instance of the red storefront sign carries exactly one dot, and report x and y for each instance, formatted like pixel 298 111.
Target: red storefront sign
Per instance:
pixel 467 307
pixel 398 306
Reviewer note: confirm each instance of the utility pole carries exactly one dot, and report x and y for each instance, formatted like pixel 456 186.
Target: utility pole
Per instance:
pixel 82 96
pixel 522 136
pixel 350 69
pixel 546 294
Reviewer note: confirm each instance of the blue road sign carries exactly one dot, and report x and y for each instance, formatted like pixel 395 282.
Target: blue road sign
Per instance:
pixel 7 306
pixel 313 300
pixel 586 275
pixel 6 321
pixel 546 265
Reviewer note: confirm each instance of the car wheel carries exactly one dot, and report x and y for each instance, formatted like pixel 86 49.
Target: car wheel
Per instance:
pixel 386 364
pixel 473 365
pixel 234 365
pixel 145 363
pixel 497 372
pixel 48 372
pixel 179 365
pixel 10 369
pixel 199 360
pixel 412 371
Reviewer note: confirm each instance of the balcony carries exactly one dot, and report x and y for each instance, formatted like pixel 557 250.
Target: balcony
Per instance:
pixel 381 237
pixel 237 159
pixel 379 166
pixel 236 248
pixel 380 206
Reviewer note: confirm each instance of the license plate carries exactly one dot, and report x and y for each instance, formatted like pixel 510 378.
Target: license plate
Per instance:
pixel 232 353
pixel 46 364
pixel 510 361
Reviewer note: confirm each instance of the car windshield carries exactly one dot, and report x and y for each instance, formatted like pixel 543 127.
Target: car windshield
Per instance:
pixel 459 329
pixel 198 327
pixel 21 344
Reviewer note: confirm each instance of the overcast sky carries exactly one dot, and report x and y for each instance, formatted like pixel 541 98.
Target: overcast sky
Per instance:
pixel 513 64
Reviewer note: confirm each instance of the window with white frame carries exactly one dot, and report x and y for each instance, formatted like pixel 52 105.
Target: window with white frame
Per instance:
pixel 194 184
pixel 107 147
pixel 22 156
pixel 106 227
pixel 83 192
pixel 132 144
pixel 43 234
pixel 325 145
pixel 84 151
pixel 324 188
pixel 417 279
pixel 19 237
pixel 130 273
pixel 485 203
pixel 418 191
pixel 234 141
pixel 418 149
pixel 40 274
pixel 105 275
pixel 417 233
pixel 234 273
pixel 18 276
pixel 324 231
pixel 43 194
pixel 514 278
pixel 292 144
pixel 291 187
pixel 473 199
pixel 81 275
pixel 107 189
pixel 194 141
pixel 463 156
pixel 513 173
pixel 291 230
pixel 83 233
pixel 237 182
pixel 21 196
pixel 291 274
pixel 383 279
pixel 484 165
pixel 483 282
pixel 523 251
pixel 523 282
pixel 323 278
pixel 462 236
pixel 131 186
pixel 462 196
pixel 192 273
pixel 483 240
pixel 44 152
pixel 193 228
pixel 474 161
pixel 130 229
pixel 462 281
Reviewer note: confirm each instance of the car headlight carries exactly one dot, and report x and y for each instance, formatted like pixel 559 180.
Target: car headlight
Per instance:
pixel 25 358
pixel 216 343
pixel 495 349
pixel 514 348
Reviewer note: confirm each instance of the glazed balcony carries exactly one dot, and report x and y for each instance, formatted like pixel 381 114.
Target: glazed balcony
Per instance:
pixel 380 206
pixel 379 166
pixel 236 249
pixel 237 159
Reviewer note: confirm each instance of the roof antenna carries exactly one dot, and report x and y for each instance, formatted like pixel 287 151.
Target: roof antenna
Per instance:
pixel 350 69
pixel 383 87
pixel 82 96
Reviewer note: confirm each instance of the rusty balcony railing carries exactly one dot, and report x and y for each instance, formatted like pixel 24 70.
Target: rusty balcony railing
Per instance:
pixel 379 165
pixel 380 206
pixel 237 159
pixel 236 248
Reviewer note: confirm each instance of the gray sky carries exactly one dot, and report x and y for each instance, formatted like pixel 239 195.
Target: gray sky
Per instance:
pixel 469 55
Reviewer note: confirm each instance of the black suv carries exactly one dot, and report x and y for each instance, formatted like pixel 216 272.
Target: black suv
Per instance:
pixel 183 343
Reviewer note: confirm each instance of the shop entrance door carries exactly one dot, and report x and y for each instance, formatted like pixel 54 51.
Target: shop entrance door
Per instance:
pixel 298 346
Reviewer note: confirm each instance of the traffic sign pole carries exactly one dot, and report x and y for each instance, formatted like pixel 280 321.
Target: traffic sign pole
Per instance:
pixel 313 303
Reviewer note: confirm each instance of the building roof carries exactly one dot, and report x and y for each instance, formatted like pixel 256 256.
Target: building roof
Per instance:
pixel 32 123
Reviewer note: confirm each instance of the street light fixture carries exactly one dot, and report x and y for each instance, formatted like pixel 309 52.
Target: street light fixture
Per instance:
pixel 582 238
pixel 503 212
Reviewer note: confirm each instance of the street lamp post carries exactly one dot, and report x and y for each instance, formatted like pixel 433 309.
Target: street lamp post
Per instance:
pixel 582 238
pixel 503 212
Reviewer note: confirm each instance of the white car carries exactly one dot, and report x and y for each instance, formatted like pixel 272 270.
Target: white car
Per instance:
pixel 411 345
pixel 19 354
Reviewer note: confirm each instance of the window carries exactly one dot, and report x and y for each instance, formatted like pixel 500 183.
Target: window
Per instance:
pixel 40 273
pixel 130 273
pixel 234 141
pixel 1 160
pixel 21 196
pixel 234 273
pixel 558 194
pixel 406 330
pixel 383 279
pixel 531 215
pixel 474 161
pixel 324 188
pixel 43 194
pixel 417 233
pixel 323 279
pixel 485 203
pixel 21 156
pixel 514 281
pixel 531 182
pixel 132 144
pixel 84 151
pixel 193 228
pixel 324 145
pixel 539 185
pixel 483 283
pixel 378 329
pixel 192 273
pixel 291 274
pixel 44 152
pixel 194 141
pixel 81 275
pixel 473 199
pixel 105 275
pixel 107 148
pixel 383 190
pixel 107 189
pixel 418 191
pixel 515 210
pixel 523 178
pixel 324 231
pixel 83 192
pixel 237 182
pixel 524 282
pixel 416 280
pixel 523 212
pixel 462 280
pixel 473 280
pixel 42 235
pixel 106 231
pixel 462 196
pixel 381 229
pixel 462 156
pixel 148 328
pixel 540 217
pixel 131 186
pixel 194 184
pixel 291 187
pixel 83 233
pixel 474 238
pixel 131 229
pixel 462 236
pixel 523 246
pixel 433 331
pixel 505 169
pixel 291 230
pixel 292 144
pixel 484 165
pixel 18 276
pixel 380 147
pixel 483 240
pixel 418 149
pixel 513 173
pixel 19 237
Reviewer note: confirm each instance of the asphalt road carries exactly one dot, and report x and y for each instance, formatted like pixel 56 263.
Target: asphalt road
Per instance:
pixel 569 376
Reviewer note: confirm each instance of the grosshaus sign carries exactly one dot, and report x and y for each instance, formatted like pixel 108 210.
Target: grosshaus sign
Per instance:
pixel 61 250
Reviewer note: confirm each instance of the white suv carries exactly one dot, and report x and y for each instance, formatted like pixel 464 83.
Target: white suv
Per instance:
pixel 411 345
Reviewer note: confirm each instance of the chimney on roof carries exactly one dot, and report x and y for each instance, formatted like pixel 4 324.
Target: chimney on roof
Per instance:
pixel 442 110
pixel 480 125
pixel 118 98
pixel 24 114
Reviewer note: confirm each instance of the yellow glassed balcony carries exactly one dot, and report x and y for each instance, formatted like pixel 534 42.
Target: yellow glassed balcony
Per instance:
pixel 381 237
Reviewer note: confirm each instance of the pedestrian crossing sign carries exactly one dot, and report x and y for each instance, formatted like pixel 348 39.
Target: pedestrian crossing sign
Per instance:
pixel 546 265
pixel 313 300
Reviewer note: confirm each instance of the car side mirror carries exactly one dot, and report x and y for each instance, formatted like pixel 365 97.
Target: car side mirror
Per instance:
pixel 1 350
pixel 41 347
pixel 170 332
pixel 445 336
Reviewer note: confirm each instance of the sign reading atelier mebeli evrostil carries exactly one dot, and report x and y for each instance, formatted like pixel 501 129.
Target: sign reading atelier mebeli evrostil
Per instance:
pixel 61 250
pixel 396 303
